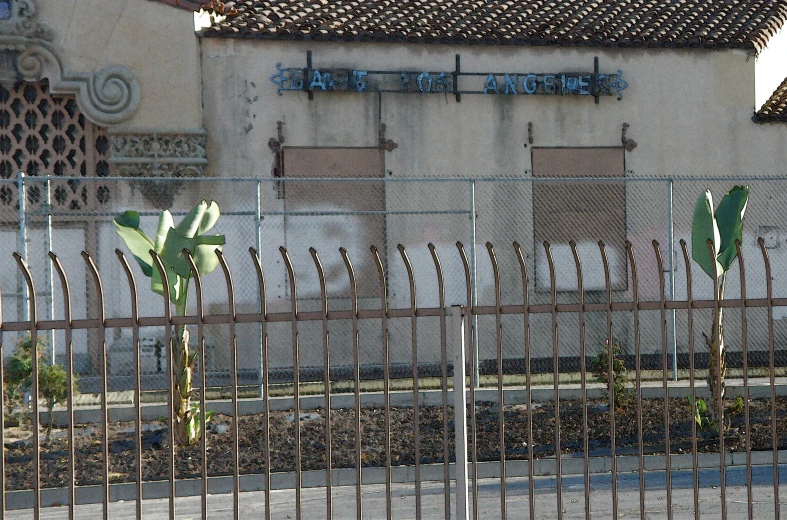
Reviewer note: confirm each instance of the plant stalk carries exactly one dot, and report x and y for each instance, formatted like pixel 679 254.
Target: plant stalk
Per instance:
pixel 717 361
pixel 183 370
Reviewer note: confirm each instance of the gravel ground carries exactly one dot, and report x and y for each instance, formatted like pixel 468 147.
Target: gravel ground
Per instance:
pixel 88 440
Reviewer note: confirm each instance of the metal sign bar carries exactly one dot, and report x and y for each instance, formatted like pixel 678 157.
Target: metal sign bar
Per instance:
pixel 560 83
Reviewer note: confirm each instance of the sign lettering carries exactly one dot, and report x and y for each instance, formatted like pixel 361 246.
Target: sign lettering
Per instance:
pixel 429 82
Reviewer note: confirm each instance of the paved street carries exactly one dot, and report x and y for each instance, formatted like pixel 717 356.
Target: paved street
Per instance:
pixel 313 500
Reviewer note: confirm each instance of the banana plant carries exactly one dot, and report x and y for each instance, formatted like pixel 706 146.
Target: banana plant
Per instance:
pixel 169 243
pixel 723 228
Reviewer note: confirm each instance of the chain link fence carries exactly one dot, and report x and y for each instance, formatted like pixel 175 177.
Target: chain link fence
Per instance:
pixel 74 214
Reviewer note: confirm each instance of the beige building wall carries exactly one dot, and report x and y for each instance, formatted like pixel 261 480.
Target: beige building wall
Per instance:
pixel 681 101
pixel 153 40
pixel 689 113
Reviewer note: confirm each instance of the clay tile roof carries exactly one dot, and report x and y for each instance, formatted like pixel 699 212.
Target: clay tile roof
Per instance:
pixel 775 109
pixel 189 5
pixel 701 24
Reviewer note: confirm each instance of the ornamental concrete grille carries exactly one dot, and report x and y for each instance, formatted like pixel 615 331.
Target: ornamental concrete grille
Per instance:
pixel 45 134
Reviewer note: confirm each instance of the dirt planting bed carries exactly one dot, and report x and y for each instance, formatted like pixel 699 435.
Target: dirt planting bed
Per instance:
pixel 89 442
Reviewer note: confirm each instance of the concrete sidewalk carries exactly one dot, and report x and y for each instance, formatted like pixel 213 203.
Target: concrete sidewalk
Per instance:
pixel 403 499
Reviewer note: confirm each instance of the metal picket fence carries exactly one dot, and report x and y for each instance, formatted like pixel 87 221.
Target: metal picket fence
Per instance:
pixel 69 215
pixel 336 446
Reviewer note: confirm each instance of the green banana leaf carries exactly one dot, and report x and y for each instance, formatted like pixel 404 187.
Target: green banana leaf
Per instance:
pixel 199 220
pixel 170 242
pixel 209 219
pixel 729 218
pixel 202 248
pixel 704 227
pixel 138 242
pixel 165 223
pixel 157 284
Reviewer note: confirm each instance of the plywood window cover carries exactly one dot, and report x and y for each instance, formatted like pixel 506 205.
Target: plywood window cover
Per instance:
pixel 560 210
pixel 305 162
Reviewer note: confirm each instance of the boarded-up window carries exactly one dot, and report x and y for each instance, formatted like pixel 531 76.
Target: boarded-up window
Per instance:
pixel 327 215
pixel 582 210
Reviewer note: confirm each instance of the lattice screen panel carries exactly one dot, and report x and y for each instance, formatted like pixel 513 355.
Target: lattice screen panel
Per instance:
pixel 43 134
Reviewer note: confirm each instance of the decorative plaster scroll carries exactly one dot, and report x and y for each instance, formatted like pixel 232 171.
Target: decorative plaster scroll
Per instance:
pixel 108 96
pixel 22 22
pixel 177 153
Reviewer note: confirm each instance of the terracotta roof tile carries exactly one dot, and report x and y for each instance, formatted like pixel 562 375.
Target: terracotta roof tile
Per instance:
pixel 709 24
pixel 775 109
pixel 189 5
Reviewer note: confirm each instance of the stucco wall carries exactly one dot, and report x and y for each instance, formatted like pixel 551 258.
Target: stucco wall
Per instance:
pixel 689 113
pixel 155 41
pixel 684 101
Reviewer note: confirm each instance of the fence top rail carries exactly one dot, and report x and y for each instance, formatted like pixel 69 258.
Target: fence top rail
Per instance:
pixel 480 310
pixel 45 178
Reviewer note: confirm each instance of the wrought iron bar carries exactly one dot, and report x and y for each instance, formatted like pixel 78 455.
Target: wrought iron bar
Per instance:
pixel 386 379
pixel 2 415
pixel 132 286
pixel 556 382
pixel 296 383
pixel 170 347
pixel 416 410
pixel 692 385
pixel 357 381
pixel 32 301
pixel 443 380
pixel 583 378
pixel 234 386
pixel 474 360
pixel 772 374
pixel 481 310
pixel 203 443
pixel 611 383
pixel 104 379
pixel 716 357
pixel 501 417
pixel 265 369
pixel 326 385
pixel 746 407
pixel 664 370
pixel 638 380
pixel 531 483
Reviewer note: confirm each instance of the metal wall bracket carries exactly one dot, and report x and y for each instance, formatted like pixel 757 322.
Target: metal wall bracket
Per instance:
pixel 277 170
pixel 386 144
pixel 275 144
pixel 309 67
pixel 457 71
pixel 628 144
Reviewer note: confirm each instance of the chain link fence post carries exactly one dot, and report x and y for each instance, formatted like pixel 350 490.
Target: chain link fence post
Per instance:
pixel 671 231
pixel 474 293
pixel 456 344
pixel 50 279
pixel 22 198
pixel 260 306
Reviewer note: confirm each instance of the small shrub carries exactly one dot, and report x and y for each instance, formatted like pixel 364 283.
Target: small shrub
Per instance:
pixel 701 415
pixel 53 387
pixel 622 394
pixel 737 406
pixel 52 379
pixel 18 373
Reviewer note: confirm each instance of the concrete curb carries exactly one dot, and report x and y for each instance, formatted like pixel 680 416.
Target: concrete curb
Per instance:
pixel 758 389
pixel 52 497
